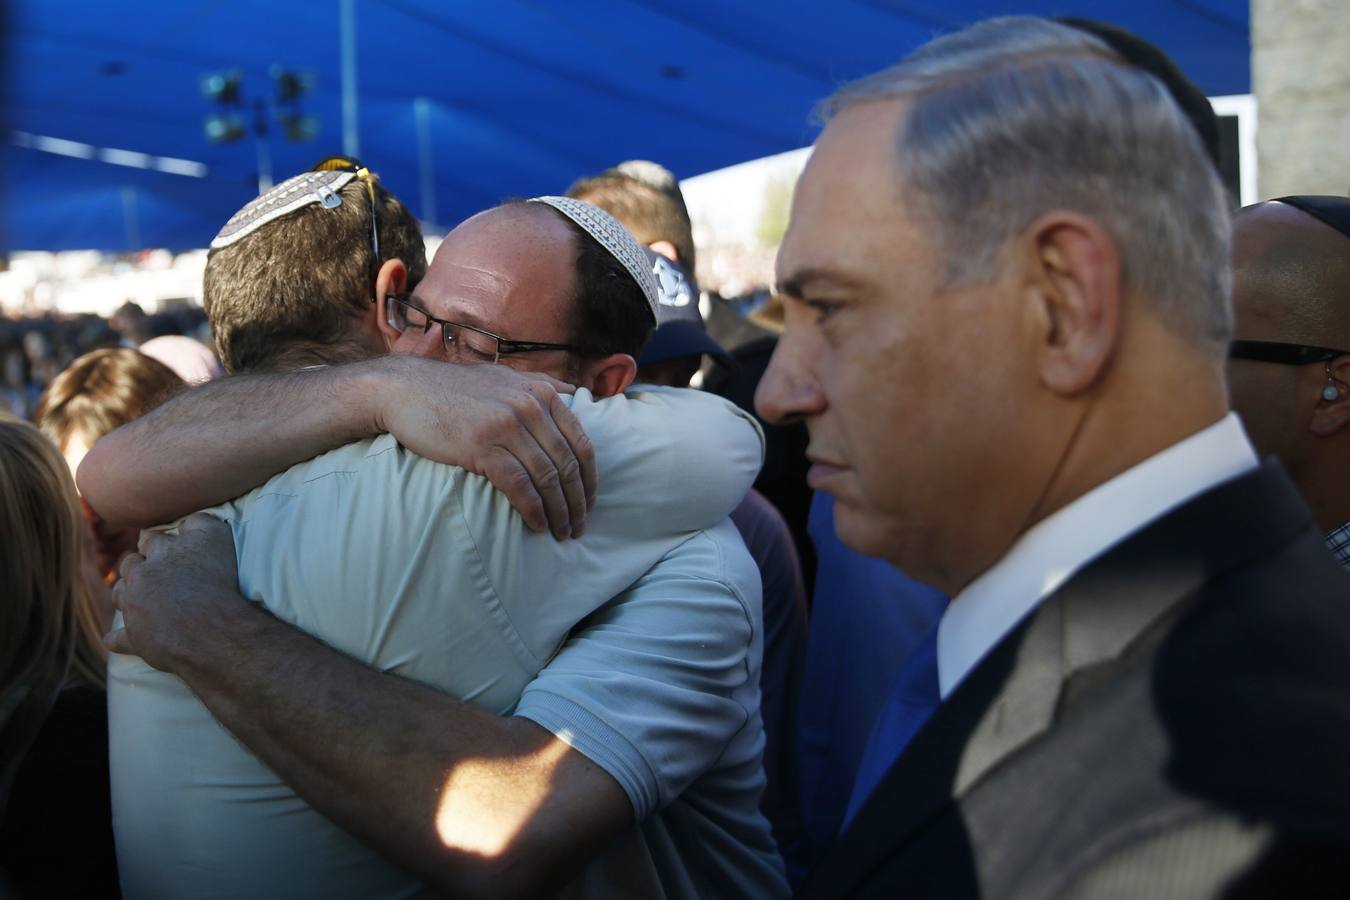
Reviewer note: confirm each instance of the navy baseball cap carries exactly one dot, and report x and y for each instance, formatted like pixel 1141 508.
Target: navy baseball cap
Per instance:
pixel 679 325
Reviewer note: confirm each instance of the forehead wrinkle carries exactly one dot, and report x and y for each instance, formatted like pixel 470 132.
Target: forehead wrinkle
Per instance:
pixel 507 270
pixel 469 294
pixel 477 275
pixel 857 146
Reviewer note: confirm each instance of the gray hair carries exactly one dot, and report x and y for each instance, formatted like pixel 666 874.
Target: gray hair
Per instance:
pixel 1017 116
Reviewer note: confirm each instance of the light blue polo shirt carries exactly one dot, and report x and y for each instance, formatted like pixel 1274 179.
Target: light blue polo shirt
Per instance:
pixel 425 571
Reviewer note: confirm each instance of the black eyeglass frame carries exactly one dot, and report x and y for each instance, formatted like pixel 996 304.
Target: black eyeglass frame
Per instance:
pixel 1283 353
pixel 505 346
pixel 368 178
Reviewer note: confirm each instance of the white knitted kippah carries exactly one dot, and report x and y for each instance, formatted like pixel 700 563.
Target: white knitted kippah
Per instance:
pixel 287 197
pixel 613 237
pixel 653 175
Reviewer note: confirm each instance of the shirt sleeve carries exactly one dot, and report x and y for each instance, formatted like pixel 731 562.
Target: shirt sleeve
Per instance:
pixel 659 681
pixel 690 454
pixel 670 463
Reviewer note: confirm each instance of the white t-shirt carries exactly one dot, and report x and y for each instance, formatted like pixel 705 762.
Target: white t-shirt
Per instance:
pixel 425 571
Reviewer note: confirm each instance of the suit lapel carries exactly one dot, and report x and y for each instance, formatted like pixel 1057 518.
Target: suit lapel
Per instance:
pixel 1024 706
pixel 1089 622
pixel 1013 695
pixel 919 784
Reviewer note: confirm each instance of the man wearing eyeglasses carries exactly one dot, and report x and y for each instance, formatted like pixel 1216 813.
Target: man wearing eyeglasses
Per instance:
pixel 1290 383
pixel 631 764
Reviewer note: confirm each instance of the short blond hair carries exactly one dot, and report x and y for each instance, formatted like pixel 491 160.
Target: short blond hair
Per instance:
pixel 650 213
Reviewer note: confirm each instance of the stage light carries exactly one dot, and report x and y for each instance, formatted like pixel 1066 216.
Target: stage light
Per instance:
pixel 298 127
pixel 224 129
pixel 222 87
pixel 291 85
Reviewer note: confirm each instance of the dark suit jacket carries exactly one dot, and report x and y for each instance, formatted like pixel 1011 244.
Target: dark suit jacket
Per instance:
pixel 1173 721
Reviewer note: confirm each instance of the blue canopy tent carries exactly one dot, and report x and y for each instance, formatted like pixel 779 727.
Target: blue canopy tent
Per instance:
pixel 457 105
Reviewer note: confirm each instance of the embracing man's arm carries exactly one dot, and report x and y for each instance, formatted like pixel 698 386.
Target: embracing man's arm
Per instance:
pixel 478 805
pixel 222 439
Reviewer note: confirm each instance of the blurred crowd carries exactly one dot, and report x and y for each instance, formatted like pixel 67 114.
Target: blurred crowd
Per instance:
pixel 34 350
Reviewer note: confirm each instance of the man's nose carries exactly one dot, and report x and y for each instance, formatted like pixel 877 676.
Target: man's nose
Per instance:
pixel 430 344
pixel 788 391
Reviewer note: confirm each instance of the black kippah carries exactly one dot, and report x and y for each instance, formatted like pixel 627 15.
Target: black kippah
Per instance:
pixel 1335 211
pixel 1143 55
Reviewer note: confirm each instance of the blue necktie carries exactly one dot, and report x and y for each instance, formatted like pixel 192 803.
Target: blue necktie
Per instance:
pixel 913 698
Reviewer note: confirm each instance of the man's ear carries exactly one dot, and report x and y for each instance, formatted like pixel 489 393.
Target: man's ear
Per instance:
pixel 666 249
pixel 610 375
pixel 1330 416
pixel 391 279
pixel 1071 278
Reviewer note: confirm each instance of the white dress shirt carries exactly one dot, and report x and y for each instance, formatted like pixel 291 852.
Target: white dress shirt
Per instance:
pixel 1062 543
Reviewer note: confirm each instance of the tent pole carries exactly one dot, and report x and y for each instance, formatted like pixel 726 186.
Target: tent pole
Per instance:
pixel 264 164
pixel 351 145
pixel 130 221
pixel 422 111
pixel 261 145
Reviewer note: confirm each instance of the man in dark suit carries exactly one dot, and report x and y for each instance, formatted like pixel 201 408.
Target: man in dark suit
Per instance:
pixel 1006 284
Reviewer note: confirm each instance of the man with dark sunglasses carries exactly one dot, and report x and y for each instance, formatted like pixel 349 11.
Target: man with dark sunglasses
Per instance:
pixel 1289 370
pixel 628 766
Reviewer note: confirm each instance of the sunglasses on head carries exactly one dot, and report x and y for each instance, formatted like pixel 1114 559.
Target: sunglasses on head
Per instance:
pixel 368 178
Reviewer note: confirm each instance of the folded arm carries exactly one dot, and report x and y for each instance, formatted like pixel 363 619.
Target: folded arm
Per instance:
pixel 690 454
pixel 217 441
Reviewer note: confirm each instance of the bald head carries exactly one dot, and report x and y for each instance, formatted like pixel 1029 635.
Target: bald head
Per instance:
pixel 529 275
pixel 1291 276
pixel 509 270
pixel 1291 284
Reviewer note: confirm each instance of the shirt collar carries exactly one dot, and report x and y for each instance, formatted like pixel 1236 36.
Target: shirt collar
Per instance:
pixel 1053 549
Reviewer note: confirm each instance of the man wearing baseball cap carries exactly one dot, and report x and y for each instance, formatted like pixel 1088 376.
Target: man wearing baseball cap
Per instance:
pixel 681 340
pixel 672 356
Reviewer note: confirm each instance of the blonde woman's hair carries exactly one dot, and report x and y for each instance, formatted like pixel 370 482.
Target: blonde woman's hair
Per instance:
pixel 50 634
